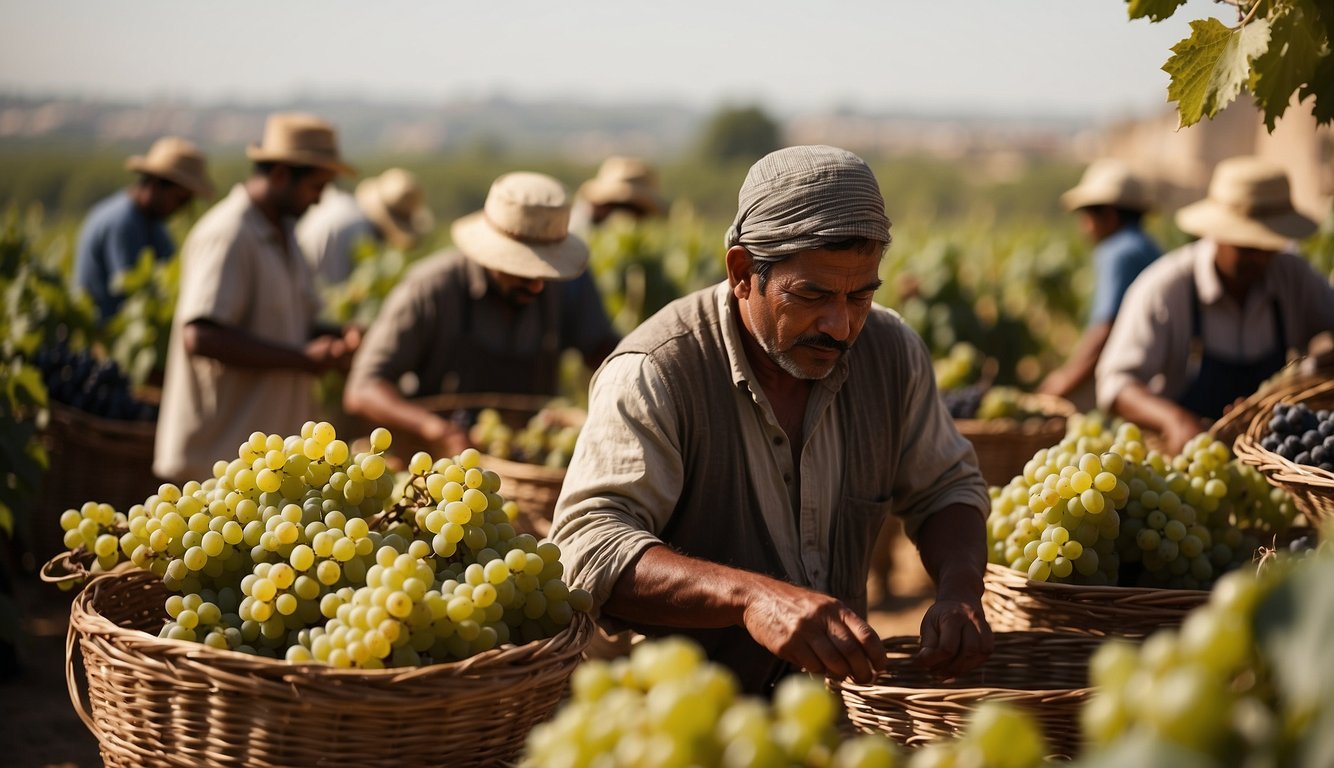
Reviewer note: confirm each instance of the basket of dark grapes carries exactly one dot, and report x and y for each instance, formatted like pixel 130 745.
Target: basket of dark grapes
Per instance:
pixel 526 439
pixel 1045 673
pixel 1006 426
pixel 315 612
pixel 1291 442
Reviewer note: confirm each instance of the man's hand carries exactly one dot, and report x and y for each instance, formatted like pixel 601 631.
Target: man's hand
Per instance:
pixel 955 637
pixel 444 437
pixel 814 631
pixel 1179 429
pixel 327 353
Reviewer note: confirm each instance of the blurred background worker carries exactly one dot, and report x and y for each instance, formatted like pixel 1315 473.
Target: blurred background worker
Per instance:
pixel 1110 203
pixel 119 228
pixel 244 343
pixel 623 185
pixel 492 315
pixel 1209 322
pixel 389 208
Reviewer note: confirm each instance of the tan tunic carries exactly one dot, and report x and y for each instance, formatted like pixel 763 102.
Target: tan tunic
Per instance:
pixel 234 272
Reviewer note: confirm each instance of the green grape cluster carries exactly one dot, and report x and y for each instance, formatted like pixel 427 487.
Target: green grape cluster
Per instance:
pixel 665 705
pixel 96 529
pixel 959 368
pixel 297 549
pixel 1101 508
pixel 997 735
pixel 547 439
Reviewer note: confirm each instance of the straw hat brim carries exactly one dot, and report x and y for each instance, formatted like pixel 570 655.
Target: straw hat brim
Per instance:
pixel 198 185
pixel 1274 232
pixel 399 231
pixel 1083 197
pixel 297 157
pixel 564 260
pixel 603 191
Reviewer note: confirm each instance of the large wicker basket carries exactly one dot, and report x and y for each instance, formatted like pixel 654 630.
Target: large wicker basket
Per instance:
pixel 1311 488
pixel 152 701
pixel 1283 384
pixel 1046 673
pixel 533 487
pixel 1004 446
pixel 1014 603
pixel 92 459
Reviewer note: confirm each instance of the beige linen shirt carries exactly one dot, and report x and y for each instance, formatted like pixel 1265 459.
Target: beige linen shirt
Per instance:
pixel 600 537
pixel 234 272
pixel 1151 339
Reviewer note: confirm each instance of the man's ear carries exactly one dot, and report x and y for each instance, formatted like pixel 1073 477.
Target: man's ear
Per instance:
pixel 739 271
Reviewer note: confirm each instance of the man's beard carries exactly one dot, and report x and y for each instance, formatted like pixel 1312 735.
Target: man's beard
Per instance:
pixel 788 363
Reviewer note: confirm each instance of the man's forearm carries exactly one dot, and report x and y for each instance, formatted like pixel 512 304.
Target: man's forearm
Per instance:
pixel 1136 403
pixel 953 546
pixel 242 349
pixel 665 588
pixel 379 403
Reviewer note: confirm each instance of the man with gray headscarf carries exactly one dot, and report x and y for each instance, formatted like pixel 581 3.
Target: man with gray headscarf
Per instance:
pixel 744 445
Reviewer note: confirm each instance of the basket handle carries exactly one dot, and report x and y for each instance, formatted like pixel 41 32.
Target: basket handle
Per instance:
pixel 75 696
pixel 62 568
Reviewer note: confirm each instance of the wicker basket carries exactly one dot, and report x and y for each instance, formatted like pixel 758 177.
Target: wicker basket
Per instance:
pixel 175 703
pixel 1004 446
pixel 1045 673
pixel 1311 488
pixel 1014 603
pixel 533 487
pixel 91 459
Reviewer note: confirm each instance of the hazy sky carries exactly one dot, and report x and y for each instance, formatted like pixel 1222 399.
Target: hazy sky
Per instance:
pixel 1075 57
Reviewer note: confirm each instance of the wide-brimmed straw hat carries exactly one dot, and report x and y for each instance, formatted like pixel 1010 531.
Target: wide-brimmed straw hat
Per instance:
pixel 395 204
pixel 523 230
pixel 624 181
pixel 295 138
pixel 1249 205
pixel 1108 182
pixel 176 160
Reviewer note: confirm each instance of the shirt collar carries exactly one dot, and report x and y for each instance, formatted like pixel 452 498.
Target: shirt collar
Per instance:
pixel 254 219
pixel 742 374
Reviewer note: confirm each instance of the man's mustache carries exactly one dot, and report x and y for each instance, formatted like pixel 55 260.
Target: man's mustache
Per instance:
pixel 822 340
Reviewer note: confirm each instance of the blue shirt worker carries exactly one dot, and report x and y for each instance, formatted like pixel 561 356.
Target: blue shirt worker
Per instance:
pixel 119 228
pixel 1110 202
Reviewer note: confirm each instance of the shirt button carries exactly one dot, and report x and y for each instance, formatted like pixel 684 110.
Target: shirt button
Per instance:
pixel 778 439
pixel 787 478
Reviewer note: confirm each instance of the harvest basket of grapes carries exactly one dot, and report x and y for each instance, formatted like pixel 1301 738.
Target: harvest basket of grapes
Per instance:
pixel 1029 422
pixel 1014 602
pixel 525 455
pixel 1045 673
pixel 1290 440
pixel 157 701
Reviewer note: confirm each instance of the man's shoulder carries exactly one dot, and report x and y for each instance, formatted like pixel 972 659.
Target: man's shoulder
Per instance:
pixel 110 212
pixel 440 267
pixel 224 222
pixel 1130 243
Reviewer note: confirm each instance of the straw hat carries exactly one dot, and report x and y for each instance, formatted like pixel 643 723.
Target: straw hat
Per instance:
pixel 176 160
pixel 394 202
pixel 298 139
pixel 523 230
pixel 1248 205
pixel 1107 182
pixel 626 181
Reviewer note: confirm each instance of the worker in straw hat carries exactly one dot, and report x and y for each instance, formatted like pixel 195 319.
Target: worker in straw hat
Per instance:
pixel 245 345
pixel 623 185
pixel 1110 202
pixel 1209 322
pixel 493 314
pixel 121 227
pixel 389 208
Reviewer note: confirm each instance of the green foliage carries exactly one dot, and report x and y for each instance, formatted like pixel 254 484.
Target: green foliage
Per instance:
pixel 1280 47
pixel 739 133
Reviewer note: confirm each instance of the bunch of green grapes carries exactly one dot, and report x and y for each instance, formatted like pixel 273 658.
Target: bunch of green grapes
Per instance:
pixel 96 529
pixel 547 439
pixel 665 705
pixel 959 368
pixel 997 735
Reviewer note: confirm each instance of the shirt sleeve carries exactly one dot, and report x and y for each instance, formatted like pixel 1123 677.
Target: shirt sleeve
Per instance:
pixel 584 322
pixel 1137 348
pixel 624 478
pixel 937 465
pixel 90 268
pixel 214 281
pixel 397 341
pixel 1116 268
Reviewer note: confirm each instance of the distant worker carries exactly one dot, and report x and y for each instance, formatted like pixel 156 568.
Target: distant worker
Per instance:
pixel 1110 203
pixel 491 315
pixel 386 208
pixel 623 185
pixel 1207 323
pixel 119 228
pixel 244 345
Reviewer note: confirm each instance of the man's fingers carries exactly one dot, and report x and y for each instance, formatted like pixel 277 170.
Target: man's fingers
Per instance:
pixel 856 661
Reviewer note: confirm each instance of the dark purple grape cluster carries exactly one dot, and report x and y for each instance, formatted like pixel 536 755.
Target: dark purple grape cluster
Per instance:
pixel 80 380
pixel 1301 435
pixel 963 402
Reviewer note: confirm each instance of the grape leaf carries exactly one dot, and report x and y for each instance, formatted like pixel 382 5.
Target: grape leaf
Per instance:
pixel 1209 67
pixel 1321 86
pixel 1156 10
pixel 1290 61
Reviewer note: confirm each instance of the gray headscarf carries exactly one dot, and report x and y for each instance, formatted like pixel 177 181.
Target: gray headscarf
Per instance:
pixel 800 198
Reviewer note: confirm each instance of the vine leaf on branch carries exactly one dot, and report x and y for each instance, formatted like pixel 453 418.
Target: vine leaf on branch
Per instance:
pixel 1209 68
pixel 1321 87
pixel 1290 61
pixel 1156 10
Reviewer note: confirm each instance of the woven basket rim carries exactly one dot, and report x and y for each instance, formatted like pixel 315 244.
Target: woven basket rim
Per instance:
pixel 1055 410
pixel 1248 447
pixel 74 418
pixel 1016 578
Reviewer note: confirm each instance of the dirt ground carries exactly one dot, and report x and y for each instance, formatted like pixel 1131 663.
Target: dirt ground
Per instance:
pixel 39 727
